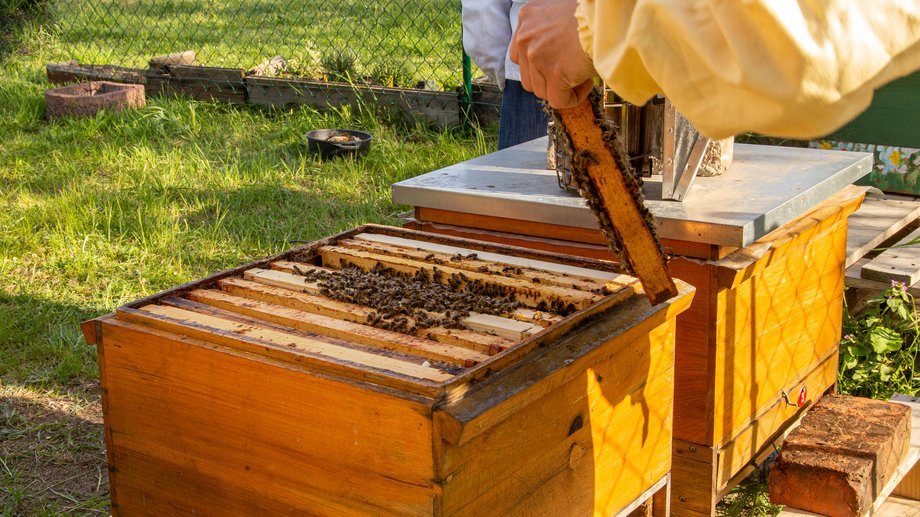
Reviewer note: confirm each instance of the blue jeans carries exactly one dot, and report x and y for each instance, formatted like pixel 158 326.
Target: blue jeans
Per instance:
pixel 522 117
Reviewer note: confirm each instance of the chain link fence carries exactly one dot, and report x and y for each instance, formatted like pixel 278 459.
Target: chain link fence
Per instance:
pixel 276 51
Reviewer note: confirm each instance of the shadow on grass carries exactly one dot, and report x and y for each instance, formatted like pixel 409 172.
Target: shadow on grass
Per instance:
pixel 41 343
pixel 52 452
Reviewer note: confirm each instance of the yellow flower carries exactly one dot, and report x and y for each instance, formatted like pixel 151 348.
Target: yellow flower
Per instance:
pixel 825 144
pixel 895 157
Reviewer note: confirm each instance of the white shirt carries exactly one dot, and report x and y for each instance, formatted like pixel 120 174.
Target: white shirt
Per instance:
pixel 488 26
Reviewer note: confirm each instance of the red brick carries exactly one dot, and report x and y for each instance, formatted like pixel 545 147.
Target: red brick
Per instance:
pixel 841 456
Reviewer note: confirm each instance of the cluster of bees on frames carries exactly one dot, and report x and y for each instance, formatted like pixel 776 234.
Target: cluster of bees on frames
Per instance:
pixel 407 303
pixel 583 159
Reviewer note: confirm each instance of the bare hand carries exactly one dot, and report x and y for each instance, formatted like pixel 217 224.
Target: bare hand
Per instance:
pixel 546 46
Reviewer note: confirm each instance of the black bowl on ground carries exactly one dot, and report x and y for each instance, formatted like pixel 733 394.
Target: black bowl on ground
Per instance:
pixel 339 142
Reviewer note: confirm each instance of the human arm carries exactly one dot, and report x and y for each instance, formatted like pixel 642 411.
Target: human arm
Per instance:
pixel 797 68
pixel 487 35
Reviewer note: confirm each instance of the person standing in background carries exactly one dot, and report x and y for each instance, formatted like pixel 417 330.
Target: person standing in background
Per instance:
pixel 488 27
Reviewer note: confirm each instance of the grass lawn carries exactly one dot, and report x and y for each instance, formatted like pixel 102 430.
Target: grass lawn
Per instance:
pixel 102 211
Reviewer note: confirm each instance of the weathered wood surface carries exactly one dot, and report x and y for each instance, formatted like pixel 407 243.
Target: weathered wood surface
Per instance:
pixel 66 73
pixel 530 291
pixel 876 221
pixel 472 263
pixel 900 263
pixel 209 83
pixel 439 109
pixel 544 319
pixel 435 108
pixel 540 265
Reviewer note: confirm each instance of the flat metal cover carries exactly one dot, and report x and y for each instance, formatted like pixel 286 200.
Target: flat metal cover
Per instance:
pixel 766 187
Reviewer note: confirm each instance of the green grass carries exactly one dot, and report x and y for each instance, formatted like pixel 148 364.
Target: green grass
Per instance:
pixel 422 37
pixel 99 212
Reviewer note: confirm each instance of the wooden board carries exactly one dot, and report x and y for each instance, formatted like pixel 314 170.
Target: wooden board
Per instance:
pixel 898 264
pixel 582 465
pixel 484 343
pixel 199 426
pixel 876 221
pixel 639 244
pixel 345 330
pixel 438 109
pixel 218 394
pixel 564 269
pixel 528 291
pixel 503 327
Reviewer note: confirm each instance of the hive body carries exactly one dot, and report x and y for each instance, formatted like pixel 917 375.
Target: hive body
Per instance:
pixel 223 397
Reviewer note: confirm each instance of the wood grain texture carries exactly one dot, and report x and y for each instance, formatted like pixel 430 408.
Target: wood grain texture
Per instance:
pixel 206 428
pixel 590 242
pixel 774 247
pixel 897 264
pixel 876 221
pixel 472 263
pixel 692 480
pixel 601 424
pixel 694 402
pixel 483 343
pixel 345 330
pixel 770 425
pixel 569 269
pixel 389 372
pixel 542 318
pixel 636 238
pixel 776 324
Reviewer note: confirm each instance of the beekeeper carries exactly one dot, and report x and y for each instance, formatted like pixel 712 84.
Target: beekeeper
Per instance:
pixel 792 68
pixel 487 31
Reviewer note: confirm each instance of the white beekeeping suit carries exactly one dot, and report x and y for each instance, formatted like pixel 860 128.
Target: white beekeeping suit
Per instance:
pixel 795 68
pixel 487 30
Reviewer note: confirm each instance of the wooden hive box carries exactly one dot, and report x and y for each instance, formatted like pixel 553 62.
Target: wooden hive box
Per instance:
pixel 764 324
pixel 254 391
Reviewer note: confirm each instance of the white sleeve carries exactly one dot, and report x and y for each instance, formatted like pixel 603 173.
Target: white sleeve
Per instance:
pixel 487 35
pixel 795 68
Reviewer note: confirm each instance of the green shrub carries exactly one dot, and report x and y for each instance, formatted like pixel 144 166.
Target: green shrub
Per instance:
pixel 878 351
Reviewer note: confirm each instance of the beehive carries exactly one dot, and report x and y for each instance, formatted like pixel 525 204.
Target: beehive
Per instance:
pixel 271 388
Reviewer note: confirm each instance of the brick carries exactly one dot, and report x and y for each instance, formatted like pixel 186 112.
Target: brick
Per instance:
pixel 85 99
pixel 841 456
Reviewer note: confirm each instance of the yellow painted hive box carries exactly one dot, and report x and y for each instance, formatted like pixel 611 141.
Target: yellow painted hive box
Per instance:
pixel 387 371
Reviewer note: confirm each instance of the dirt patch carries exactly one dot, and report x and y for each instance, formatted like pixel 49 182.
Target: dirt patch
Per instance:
pixel 52 451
